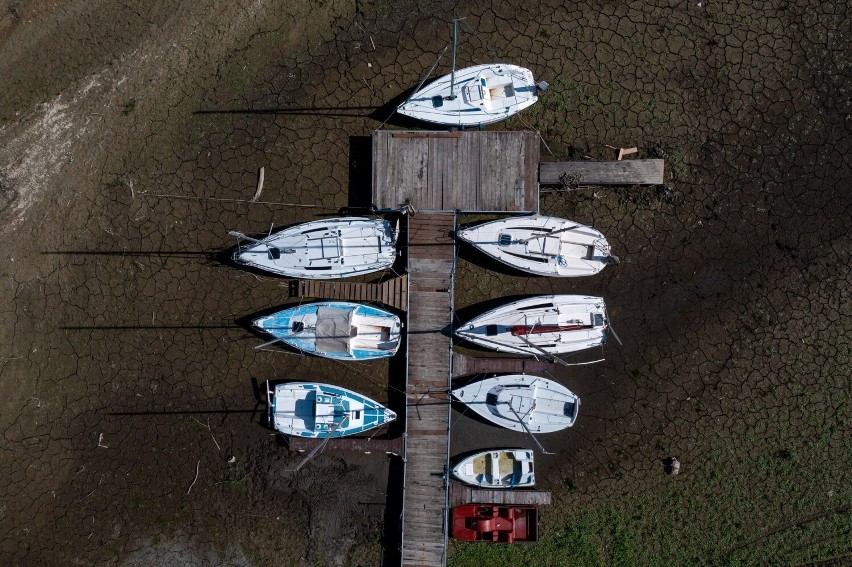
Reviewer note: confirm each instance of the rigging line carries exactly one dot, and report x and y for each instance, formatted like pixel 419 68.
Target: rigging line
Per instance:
pixel 527 430
pixel 432 68
pixel 415 91
pixel 537 131
pixel 322 445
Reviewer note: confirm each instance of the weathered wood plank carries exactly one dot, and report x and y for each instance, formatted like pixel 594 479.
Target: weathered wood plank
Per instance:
pixel 429 358
pixel 427 135
pixel 460 494
pixel 449 171
pixel 532 156
pixel 624 172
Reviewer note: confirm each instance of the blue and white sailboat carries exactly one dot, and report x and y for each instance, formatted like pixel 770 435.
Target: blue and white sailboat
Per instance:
pixel 336 329
pixel 310 409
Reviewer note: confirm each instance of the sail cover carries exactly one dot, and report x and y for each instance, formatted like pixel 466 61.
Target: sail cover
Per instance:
pixel 333 329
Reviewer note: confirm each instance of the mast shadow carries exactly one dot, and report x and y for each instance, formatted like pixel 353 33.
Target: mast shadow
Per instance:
pixel 319 111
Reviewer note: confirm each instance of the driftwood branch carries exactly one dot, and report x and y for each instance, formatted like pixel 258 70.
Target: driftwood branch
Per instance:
pixel 198 464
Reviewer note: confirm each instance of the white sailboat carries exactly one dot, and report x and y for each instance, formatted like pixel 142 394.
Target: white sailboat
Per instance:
pixel 473 96
pixel 543 324
pixel 497 468
pixel 322 249
pixel 545 246
pixel 521 402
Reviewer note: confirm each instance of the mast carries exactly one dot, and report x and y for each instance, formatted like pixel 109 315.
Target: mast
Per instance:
pixel 455 46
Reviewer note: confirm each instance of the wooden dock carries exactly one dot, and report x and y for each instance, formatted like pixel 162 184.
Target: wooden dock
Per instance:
pixel 431 263
pixel 623 172
pixel 461 494
pixel 393 292
pixel 464 365
pixel 482 171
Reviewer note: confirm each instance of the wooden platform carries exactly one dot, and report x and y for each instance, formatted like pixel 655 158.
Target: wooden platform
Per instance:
pixel 456 171
pixel 461 494
pixel 361 445
pixel 431 253
pixel 623 172
pixel 464 365
pixel 393 292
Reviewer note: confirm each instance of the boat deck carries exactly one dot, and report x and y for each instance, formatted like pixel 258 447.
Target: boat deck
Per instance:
pixel 482 171
pixel 431 263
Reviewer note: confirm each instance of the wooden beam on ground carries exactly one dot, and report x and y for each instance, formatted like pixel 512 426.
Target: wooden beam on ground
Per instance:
pixel 623 172
pixel 461 494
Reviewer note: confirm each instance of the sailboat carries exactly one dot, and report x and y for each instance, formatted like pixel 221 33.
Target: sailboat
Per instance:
pixel 473 96
pixel 323 249
pixel 310 409
pixel 336 329
pixel 543 324
pixel 544 246
pixel 497 468
pixel 522 402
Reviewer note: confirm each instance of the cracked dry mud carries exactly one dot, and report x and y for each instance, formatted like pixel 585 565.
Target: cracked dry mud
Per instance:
pixel 125 364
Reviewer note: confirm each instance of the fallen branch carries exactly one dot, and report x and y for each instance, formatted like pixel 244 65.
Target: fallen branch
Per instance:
pixel 196 476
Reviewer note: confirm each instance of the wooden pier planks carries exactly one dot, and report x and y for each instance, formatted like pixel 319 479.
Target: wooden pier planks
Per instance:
pixel 393 292
pixel 461 494
pixel 430 266
pixel 456 171
pixel 464 365
pixel 623 172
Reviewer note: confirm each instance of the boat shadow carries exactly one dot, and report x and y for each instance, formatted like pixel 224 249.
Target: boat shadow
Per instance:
pixel 392 532
pixel 216 258
pixel 386 114
pixel 365 111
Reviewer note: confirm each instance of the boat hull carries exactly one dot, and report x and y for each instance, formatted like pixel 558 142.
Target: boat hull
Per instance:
pixel 544 246
pixel 311 409
pixel 482 94
pixel 326 329
pixel 324 249
pixel 521 402
pixel 497 468
pixel 544 324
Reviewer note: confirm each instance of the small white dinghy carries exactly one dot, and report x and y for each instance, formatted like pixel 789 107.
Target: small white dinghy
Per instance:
pixel 497 468
pixel 543 324
pixel 310 409
pixel 545 246
pixel 482 94
pixel 322 249
pixel 521 402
